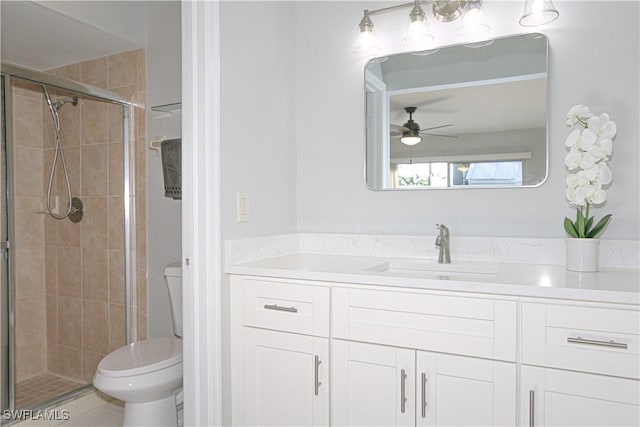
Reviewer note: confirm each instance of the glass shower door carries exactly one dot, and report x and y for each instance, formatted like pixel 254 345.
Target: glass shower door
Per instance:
pixel 4 255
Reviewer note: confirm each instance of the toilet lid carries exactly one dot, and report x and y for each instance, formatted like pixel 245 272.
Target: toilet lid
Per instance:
pixel 142 357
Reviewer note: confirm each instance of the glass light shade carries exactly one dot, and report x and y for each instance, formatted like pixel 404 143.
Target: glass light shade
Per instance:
pixel 474 21
pixel 538 12
pixel 410 140
pixel 366 43
pixel 418 35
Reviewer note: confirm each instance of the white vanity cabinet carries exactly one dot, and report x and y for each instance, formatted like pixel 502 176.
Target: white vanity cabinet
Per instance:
pixel 581 365
pixel 375 385
pixel 280 353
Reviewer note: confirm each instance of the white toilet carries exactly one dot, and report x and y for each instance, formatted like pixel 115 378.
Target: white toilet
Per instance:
pixel 147 375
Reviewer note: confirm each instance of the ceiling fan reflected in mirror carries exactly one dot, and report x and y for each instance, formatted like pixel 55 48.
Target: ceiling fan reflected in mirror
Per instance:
pixel 411 134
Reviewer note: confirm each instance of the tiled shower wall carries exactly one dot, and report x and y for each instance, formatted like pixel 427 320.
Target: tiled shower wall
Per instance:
pixel 78 314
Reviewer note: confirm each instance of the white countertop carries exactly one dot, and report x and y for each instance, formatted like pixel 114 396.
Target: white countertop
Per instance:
pixel 612 285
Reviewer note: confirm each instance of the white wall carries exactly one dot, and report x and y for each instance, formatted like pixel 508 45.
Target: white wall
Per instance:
pixel 258 116
pixel 593 60
pixel 164 231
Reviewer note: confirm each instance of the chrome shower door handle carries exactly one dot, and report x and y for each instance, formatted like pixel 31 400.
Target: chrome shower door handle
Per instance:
pixel 531 408
pixel 316 375
pixel 423 392
pixel 403 391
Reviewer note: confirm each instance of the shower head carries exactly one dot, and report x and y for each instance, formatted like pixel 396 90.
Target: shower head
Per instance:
pixel 61 101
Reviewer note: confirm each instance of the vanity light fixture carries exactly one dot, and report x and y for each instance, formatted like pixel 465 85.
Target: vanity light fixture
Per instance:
pixel 473 22
pixel 538 12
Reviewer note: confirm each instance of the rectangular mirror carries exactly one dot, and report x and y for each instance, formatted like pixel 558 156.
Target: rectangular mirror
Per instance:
pixel 464 116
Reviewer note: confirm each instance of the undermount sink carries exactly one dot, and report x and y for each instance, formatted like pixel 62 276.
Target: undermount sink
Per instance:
pixel 432 268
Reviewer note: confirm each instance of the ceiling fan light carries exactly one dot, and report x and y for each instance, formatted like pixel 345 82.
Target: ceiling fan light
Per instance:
pixel 538 12
pixel 410 140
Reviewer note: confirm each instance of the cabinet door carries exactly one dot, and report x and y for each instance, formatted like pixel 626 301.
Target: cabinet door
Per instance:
pixel 464 391
pixel 372 385
pixel 552 397
pixel 286 379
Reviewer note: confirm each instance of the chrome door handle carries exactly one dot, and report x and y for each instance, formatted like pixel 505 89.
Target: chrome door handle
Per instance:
pixel 423 389
pixel 403 392
pixel 531 408
pixel 317 383
pixel 610 343
pixel 280 308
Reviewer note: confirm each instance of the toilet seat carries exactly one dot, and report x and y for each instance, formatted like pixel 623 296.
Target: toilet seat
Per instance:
pixel 142 357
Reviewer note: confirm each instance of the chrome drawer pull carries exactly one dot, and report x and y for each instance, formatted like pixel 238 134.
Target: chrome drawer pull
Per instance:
pixel 279 308
pixel 317 382
pixel 610 343
pixel 423 389
pixel 403 392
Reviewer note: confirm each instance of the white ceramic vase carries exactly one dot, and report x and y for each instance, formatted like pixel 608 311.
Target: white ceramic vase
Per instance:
pixel 583 254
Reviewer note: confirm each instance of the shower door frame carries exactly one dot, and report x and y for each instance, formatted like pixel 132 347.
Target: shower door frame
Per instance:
pixel 7 291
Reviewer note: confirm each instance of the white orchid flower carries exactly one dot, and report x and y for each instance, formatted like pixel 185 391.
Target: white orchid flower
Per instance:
pixel 587 140
pixel 587 161
pixel 572 180
pixel 572 161
pixel 597 197
pixel 576 196
pixel 602 149
pixel 573 140
pixel 604 175
pixel 585 177
pixel 577 113
pixel 602 126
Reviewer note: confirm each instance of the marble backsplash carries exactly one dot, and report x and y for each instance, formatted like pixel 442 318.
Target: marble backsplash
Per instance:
pixel 613 253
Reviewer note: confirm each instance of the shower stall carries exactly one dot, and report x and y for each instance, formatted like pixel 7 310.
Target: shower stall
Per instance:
pixel 69 257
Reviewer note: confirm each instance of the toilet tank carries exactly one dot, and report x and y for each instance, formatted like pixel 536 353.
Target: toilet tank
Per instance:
pixel 173 277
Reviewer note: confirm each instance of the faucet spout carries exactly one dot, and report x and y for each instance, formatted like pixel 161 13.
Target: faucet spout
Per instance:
pixel 442 243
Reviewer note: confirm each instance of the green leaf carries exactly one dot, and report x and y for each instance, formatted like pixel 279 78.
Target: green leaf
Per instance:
pixel 580 224
pixel 587 226
pixel 570 228
pixel 599 226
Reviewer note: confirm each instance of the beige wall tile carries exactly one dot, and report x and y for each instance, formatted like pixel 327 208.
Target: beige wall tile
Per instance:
pixel 70 362
pixel 116 123
pixel 123 69
pixel 27 122
pixel 69 279
pixel 90 361
pixel 29 272
pixel 94 226
pixel 32 360
pixel 116 169
pixel 68 232
pixel 142 69
pixel 70 322
pixel 142 291
pixel 52 319
pixel 30 318
pixel 116 223
pixel 117 326
pixel 140 122
pixel 94 170
pixel 52 359
pixel 95 326
pixel 51 270
pixel 95 274
pixel 50 229
pixel 94 72
pixel 28 172
pixel 142 327
pixel 70 116
pixel 29 226
pixel 71 72
pixel 95 122
pixel 25 88
pixel 116 276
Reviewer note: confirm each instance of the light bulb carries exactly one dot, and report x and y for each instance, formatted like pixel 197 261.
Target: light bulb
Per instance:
pixel 474 21
pixel 366 41
pixel 410 140
pixel 418 35
pixel 538 12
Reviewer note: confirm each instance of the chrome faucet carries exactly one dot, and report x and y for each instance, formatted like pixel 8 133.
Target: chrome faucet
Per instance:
pixel 442 242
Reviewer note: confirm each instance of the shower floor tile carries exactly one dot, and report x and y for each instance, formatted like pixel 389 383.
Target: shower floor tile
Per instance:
pixel 42 388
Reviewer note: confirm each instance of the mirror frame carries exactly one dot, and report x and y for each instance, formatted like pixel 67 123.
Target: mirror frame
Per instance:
pixel 478 44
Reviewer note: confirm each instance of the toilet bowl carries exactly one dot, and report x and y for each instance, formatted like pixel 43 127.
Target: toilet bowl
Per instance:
pixel 147 375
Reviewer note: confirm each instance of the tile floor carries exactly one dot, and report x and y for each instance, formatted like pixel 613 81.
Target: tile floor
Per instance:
pixel 39 389
pixel 107 415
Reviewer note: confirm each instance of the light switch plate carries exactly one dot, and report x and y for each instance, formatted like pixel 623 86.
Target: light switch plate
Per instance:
pixel 243 207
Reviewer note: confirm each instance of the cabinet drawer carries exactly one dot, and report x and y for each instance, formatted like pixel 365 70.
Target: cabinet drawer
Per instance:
pixel 286 306
pixel 449 324
pixel 582 338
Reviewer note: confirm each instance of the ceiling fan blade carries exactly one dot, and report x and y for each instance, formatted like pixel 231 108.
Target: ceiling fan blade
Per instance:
pixel 436 127
pixel 397 128
pixel 443 136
